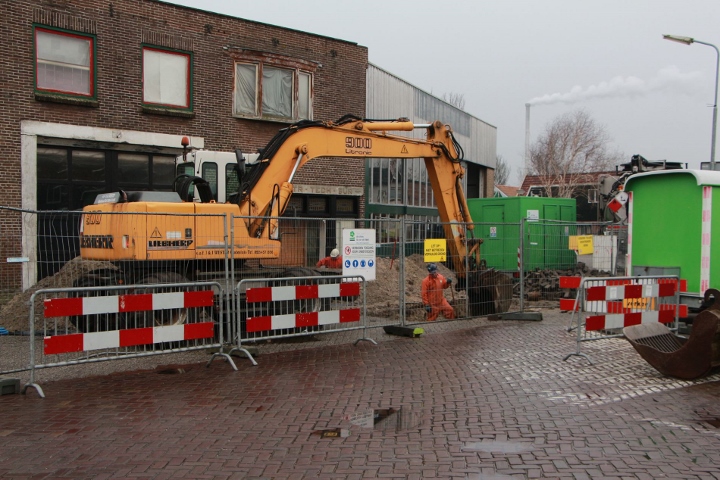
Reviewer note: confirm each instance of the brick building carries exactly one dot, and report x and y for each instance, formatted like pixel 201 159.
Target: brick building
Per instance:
pixel 97 96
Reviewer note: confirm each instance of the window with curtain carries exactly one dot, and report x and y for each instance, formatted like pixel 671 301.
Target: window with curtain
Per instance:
pixel 166 78
pixel 272 92
pixel 64 62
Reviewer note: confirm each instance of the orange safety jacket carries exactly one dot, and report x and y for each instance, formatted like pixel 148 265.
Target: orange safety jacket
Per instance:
pixel 432 290
pixel 330 262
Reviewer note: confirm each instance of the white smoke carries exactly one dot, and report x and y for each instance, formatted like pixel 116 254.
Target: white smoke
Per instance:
pixel 667 79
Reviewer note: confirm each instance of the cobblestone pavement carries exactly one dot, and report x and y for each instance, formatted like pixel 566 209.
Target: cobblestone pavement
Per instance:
pixel 466 400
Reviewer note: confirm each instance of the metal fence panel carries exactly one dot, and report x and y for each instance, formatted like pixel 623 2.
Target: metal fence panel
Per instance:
pixel 551 249
pixel 278 308
pixel 478 289
pixel 607 305
pixel 41 251
pixel 306 241
pixel 92 324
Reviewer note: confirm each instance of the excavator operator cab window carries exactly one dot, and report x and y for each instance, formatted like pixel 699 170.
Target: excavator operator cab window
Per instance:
pixel 231 179
pixel 187 168
pixel 210 173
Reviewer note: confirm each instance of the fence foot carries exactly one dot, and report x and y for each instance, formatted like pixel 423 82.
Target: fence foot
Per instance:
pixel 578 355
pixel 36 387
pixel 245 351
pixel 227 359
pixel 365 339
pixel 403 331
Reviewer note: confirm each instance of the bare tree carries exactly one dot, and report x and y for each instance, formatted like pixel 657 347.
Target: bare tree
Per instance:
pixel 455 99
pixel 502 171
pixel 572 146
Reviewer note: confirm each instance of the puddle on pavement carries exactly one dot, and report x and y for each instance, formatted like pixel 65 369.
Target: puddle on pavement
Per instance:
pixel 387 420
pixel 390 420
pixel 497 447
pixel 715 422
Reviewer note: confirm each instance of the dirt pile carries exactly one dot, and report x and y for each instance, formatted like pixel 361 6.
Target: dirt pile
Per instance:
pixel 14 315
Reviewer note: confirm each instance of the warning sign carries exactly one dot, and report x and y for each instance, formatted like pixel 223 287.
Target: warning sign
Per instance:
pixel 585 244
pixel 359 252
pixel 435 250
pixel 618 202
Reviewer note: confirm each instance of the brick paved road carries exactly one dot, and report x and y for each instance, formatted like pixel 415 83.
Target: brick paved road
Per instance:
pixel 494 401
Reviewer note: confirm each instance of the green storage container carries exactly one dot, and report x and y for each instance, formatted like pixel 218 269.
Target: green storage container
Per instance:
pixel 546 245
pixel 671 226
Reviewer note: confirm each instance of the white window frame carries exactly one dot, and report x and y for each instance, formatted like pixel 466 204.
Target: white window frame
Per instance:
pixel 89 68
pixel 169 77
pixel 255 110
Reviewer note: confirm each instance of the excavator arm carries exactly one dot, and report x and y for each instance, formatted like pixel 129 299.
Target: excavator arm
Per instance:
pixel 266 192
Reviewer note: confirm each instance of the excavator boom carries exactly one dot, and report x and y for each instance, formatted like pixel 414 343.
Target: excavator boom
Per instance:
pixel 266 194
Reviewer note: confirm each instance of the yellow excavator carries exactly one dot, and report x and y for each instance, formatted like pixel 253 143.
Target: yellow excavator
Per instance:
pixel 182 232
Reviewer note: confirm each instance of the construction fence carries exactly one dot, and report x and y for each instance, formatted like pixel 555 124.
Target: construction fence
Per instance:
pixel 604 307
pixel 49 257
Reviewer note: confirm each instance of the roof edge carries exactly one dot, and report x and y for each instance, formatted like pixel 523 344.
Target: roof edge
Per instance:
pixel 226 15
pixel 702 177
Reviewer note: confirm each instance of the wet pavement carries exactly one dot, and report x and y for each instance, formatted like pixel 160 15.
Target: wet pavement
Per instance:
pixel 472 399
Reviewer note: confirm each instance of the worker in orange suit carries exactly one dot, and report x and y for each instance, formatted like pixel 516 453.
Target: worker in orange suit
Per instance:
pixel 432 294
pixel 333 261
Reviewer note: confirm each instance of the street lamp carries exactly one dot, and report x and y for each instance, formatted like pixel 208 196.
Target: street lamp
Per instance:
pixel 688 41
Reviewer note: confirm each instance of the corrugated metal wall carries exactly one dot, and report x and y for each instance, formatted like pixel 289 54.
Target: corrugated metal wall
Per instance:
pixel 391 97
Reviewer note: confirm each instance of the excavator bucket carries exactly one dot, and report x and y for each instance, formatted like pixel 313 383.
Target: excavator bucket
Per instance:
pixel 489 292
pixel 679 357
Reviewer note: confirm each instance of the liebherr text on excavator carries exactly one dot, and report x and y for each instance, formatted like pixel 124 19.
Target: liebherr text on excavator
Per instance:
pixel 195 234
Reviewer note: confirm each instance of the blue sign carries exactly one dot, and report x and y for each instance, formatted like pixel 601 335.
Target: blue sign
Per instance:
pixel 355 263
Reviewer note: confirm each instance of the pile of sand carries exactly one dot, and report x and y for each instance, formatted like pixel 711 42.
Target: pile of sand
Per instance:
pixel 14 316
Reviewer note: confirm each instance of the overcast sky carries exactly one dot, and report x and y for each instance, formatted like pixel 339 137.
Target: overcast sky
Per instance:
pixel 653 97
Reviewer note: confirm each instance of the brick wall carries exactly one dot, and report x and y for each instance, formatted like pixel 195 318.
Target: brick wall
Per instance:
pixel 121 26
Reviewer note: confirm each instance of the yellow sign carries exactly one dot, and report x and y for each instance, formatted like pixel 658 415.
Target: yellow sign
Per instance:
pixel 585 244
pixel 639 303
pixel 435 250
pixel 572 242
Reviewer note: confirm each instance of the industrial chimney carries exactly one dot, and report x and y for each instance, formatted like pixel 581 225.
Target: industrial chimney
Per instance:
pixel 527 137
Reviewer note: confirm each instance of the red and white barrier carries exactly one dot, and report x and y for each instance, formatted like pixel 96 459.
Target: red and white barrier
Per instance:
pixel 68 307
pixel 611 321
pixel 610 304
pixel 620 289
pixel 301 292
pixel 80 342
pixel 705 241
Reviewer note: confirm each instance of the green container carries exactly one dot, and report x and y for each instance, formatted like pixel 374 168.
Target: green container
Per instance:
pixel 665 228
pixel 497 222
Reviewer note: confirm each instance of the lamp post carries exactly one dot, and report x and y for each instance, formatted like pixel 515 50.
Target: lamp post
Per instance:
pixel 688 41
